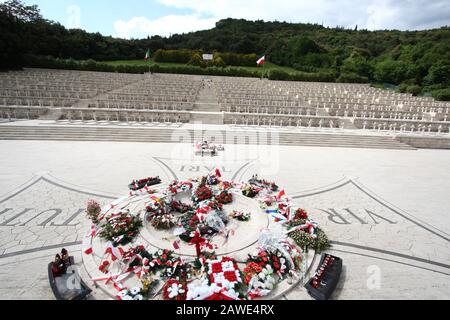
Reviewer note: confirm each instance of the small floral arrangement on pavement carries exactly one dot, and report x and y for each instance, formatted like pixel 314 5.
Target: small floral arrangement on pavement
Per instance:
pixel 132 294
pixel 307 235
pixel 241 216
pixel 259 278
pixel 121 228
pixel 179 186
pixel 250 191
pixel 93 210
pixel 202 193
pixel 164 222
pixel 180 207
pixel 136 185
pixel 300 214
pixel 263 183
pixel 224 197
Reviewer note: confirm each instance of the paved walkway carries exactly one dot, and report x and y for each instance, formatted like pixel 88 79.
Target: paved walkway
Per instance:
pixel 384 210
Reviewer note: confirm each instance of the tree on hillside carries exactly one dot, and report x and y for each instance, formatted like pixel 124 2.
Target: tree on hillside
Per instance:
pixel 357 64
pixel 20 11
pixel 439 74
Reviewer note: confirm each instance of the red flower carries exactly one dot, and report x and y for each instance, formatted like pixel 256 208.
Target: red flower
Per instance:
pixel 216 267
pixel 230 276
pixel 300 214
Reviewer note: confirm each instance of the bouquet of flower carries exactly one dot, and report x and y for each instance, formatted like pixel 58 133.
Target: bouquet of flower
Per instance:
pixel 308 235
pixel 160 258
pixel 121 228
pixel 157 208
pixel 180 207
pixel 225 274
pixel 165 262
pixel 273 258
pixel 178 270
pixel 93 210
pixel 224 197
pixel 250 191
pixel 225 185
pixel 212 180
pixel 179 186
pixel 259 278
pixel 240 215
pixel 134 255
pixel 136 185
pixel 263 183
pixel 175 290
pixel 202 193
pixel 163 222
pixel 300 214
pixel 132 294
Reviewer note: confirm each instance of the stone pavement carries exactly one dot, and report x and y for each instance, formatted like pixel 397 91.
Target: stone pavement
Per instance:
pixel 384 210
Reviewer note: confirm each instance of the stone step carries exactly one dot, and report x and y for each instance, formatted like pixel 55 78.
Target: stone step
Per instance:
pixel 206 117
pixel 333 145
pixel 60 133
pixel 167 131
pixel 235 136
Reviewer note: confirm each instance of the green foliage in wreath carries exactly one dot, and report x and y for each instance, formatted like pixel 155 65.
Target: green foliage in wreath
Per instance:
pixel 128 231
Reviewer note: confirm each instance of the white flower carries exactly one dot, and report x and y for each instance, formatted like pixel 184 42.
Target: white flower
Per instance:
pixel 160 252
pixel 262 275
pixel 138 297
pixel 134 291
pixel 283 260
pixel 127 298
pixel 173 290
pixel 228 266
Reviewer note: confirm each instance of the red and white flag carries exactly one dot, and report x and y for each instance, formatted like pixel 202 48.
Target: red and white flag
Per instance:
pixel 116 253
pixel 261 61
pixel 281 194
pixel 147 55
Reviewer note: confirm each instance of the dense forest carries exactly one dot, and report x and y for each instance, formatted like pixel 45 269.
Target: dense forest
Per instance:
pixel 417 61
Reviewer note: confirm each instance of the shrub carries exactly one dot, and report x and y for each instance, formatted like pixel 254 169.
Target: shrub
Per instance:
pixel 441 95
pixel 352 78
pixel 275 74
pixel 414 90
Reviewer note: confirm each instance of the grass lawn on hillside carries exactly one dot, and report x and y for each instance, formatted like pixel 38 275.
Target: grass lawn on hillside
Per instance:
pixel 268 66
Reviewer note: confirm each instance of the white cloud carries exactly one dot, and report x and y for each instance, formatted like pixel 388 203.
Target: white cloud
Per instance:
pixel 139 27
pixel 370 14
pixel 367 14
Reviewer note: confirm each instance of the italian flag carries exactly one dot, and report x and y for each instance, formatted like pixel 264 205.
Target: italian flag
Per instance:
pixel 147 55
pixel 261 61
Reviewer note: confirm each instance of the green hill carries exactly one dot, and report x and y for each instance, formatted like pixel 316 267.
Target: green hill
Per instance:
pixel 417 61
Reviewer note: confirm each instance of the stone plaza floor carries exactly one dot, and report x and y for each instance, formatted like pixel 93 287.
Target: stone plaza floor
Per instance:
pixel 387 212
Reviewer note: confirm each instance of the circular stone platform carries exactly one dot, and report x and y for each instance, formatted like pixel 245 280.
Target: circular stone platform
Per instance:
pixel 242 241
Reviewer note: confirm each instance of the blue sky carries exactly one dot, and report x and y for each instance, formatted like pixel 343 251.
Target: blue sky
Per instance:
pixel 140 18
pixel 100 15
